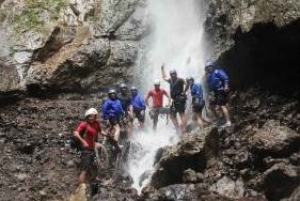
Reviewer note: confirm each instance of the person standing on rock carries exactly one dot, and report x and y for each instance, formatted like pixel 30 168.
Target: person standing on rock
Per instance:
pixel 197 100
pixel 138 107
pixel 87 133
pixel 157 101
pixel 178 95
pixel 125 99
pixel 218 83
pixel 112 113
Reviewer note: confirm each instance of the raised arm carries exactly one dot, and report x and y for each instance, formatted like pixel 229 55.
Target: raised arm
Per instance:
pixel 147 99
pixel 105 110
pixel 185 86
pixel 163 73
pixel 169 98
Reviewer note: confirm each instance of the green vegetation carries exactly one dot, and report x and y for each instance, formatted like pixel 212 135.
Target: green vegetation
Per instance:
pixel 31 17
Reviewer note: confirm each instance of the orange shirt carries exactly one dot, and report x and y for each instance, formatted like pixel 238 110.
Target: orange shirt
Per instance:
pixel 157 97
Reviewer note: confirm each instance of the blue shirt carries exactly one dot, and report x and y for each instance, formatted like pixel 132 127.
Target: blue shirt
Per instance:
pixel 112 108
pixel 196 91
pixel 217 80
pixel 138 103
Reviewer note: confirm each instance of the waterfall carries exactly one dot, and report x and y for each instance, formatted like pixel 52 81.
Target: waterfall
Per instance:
pixel 176 39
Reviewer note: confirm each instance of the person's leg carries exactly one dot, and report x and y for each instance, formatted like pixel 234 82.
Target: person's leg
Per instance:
pixel 155 118
pixel 82 177
pixel 141 119
pixel 226 115
pixel 129 126
pixel 200 120
pixel 117 130
pixel 222 101
pixel 173 116
pixel 85 164
pixel 183 119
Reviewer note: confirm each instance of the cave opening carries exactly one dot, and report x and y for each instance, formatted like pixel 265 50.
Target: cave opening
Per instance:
pixel 267 57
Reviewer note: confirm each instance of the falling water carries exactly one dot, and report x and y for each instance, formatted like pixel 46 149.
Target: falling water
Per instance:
pixel 176 39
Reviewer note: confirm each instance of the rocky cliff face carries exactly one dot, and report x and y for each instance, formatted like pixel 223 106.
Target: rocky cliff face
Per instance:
pixel 68 45
pixel 257 42
pixel 257 159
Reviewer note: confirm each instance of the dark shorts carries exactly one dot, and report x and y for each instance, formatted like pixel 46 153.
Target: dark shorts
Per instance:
pixel 197 105
pixel 113 120
pixel 221 98
pixel 87 159
pixel 154 112
pixel 178 106
pixel 138 115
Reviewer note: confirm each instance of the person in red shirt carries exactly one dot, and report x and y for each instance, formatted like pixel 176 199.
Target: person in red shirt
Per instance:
pixel 157 101
pixel 87 133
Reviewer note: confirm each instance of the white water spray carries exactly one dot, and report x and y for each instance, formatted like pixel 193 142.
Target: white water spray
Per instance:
pixel 176 40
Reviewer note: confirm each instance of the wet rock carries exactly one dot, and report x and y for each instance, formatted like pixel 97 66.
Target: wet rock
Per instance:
pixel 294 196
pixel 185 192
pixel 280 181
pixel 71 164
pixel 22 177
pixel 193 151
pixel 295 159
pixel 189 176
pixel 224 19
pixel 27 148
pixel 274 139
pixel 229 188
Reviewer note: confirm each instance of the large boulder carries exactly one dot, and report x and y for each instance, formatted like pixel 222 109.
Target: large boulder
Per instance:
pixel 69 45
pixel 185 192
pixel 195 151
pixel 225 18
pixel 281 181
pixel 274 139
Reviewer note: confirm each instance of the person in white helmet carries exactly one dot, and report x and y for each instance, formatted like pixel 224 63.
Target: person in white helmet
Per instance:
pixel 87 133
pixel 157 101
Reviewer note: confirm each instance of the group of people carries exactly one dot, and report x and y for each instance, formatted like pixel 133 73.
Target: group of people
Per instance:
pixel 123 107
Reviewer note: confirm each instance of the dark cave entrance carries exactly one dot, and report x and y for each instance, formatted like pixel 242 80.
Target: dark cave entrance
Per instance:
pixel 267 57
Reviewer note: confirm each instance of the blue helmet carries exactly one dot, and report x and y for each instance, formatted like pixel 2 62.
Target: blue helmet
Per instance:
pixel 209 63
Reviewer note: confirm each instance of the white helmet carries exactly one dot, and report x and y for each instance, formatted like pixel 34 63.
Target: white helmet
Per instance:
pixel 91 111
pixel 156 82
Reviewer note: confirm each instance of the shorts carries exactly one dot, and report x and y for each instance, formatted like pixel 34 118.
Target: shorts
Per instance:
pixel 221 98
pixel 87 160
pixel 154 112
pixel 113 120
pixel 197 105
pixel 138 115
pixel 178 106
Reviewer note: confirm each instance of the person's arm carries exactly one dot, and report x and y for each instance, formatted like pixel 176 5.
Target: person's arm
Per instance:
pixel 222 75
pixel 201 91
pixel 169 98
pixel 147 99
pixel 143 104
pixel 105 110
pixel 185 86
pixel 76 133
pixel 163 73
pixel 122 112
